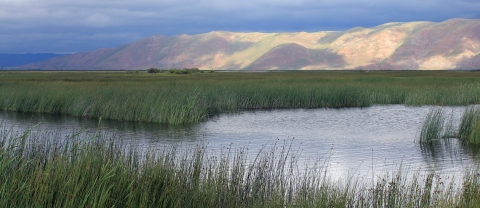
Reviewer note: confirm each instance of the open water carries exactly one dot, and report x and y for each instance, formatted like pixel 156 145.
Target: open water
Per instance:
pixel 351 141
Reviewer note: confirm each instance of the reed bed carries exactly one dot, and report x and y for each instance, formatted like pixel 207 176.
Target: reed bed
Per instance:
pixel 469 129
pixel 436 126
pixel 192 98
pixel 41 169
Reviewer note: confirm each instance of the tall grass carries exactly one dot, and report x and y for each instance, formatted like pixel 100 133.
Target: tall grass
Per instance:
pixel 469 129
pixel 436 126
pixel 192 98
pixel 433 126
pixel 41 169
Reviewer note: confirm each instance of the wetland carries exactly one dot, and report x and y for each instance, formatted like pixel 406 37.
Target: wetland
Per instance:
pixel 236 139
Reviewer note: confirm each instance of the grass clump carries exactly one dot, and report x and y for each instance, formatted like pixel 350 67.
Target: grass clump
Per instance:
pixel 470 125
pixel 475 135
pixel 132 72
pixel 436 126
pixel 184 71
pixel 432 128
pixel 174 71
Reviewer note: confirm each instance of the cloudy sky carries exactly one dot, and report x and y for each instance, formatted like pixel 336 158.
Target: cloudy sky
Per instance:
pixel 65 26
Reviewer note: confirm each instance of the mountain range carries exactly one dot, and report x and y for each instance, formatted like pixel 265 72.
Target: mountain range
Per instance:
pixel 452 44
pixel 13 59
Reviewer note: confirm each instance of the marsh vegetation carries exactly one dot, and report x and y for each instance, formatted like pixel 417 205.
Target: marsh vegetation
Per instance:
pixel 87 170
pixel 436 126
pixel 48 169
pixel 173 71
pixel 178 99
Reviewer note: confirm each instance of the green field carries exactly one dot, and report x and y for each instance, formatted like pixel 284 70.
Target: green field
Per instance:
pixel 39 169
pixel 192 98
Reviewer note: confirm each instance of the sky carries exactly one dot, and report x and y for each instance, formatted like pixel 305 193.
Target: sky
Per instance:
pixel 66 26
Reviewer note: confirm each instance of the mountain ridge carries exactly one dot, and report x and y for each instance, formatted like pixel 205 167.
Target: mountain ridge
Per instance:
pixel 8 60
pixel 452 44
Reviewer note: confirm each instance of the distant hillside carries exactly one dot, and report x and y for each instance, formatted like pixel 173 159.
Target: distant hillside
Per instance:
pixel 12 59
pixel 453 44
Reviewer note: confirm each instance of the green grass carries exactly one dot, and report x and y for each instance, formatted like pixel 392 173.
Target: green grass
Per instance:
pixel 436 126
pixel 469 129
pixel 433 126
pixel 192 98
pixel 474 137
pixel 39 169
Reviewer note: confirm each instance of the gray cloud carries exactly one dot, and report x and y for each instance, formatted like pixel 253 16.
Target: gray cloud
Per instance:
pixel 71 26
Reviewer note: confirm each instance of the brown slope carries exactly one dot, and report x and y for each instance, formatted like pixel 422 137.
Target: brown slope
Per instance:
pixel 469 63
pixel 156 51
pixel 294 56
pixel 367 46
pixel 435 46
pixel 453 44
pixel 82 60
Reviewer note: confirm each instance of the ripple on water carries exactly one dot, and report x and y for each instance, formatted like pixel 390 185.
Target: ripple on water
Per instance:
pixel 351 140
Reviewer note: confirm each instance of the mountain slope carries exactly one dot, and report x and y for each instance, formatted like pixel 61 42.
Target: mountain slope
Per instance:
pixel 12 59
pixel 453 44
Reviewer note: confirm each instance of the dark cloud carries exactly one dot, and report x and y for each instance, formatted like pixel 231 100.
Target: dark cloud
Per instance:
pixel 71 26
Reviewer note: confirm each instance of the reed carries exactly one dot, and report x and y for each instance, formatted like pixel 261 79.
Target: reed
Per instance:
pixel 433 126
pixel 91 169
pixel 475 135
pixel 470 126
pixel 469 129
pixel 467 122
pixel 192 98
pixel 436 126
pixel 449 129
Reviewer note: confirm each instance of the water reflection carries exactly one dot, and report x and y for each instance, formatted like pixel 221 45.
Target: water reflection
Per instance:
pixel 442 151
pixel 359 141
pixel 472 150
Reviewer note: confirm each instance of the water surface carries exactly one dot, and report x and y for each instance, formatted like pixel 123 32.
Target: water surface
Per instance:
pixel 350 141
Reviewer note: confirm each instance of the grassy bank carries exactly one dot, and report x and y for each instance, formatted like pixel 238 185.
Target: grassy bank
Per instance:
pixel 191 98
pixel 40 169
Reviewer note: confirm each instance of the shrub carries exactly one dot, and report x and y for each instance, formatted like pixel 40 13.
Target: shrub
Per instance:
pixel 154 70
pixel 132 72
pixel 184 71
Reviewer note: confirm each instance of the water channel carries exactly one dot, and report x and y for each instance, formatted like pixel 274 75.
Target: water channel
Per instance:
pixel 350 141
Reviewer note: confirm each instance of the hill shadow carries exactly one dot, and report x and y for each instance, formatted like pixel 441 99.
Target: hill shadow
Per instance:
pixel 294 56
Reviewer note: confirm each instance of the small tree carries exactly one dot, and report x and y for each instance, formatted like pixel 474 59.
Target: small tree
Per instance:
pixel 153 70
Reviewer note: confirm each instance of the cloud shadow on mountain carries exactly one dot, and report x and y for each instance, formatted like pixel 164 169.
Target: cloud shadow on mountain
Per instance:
pixel 294 56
